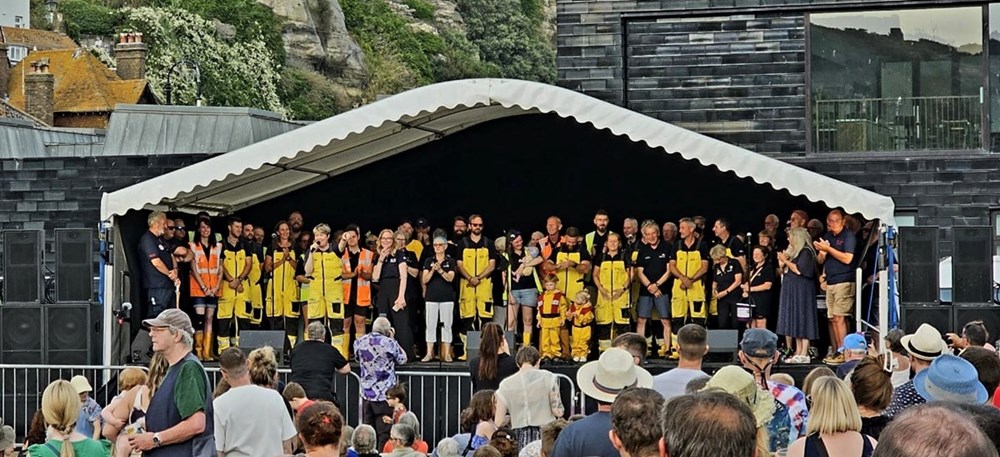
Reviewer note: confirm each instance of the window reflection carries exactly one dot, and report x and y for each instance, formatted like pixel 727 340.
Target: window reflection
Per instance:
pixel 897 80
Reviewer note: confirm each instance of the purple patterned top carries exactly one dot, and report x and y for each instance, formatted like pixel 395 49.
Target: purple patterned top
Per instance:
pixel 377 357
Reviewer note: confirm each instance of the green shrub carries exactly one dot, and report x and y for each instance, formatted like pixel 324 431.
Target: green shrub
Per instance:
pixel 308 95
pixel 421 9
pixel 379 30
pixel 85 18
pixel 507 38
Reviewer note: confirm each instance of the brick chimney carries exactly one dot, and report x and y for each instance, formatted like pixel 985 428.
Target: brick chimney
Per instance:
pixel 39 86
pixel 4 71
pixel 130 52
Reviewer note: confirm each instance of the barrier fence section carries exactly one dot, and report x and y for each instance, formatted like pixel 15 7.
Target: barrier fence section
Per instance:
pixel 22 387
pixel 437 398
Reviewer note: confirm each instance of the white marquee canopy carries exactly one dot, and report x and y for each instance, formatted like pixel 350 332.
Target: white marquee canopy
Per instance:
pixel 287 162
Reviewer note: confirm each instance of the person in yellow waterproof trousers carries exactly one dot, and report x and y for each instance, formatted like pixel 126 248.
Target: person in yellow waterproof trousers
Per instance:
pixel 234 301
pixel 581 315
pixel 551 318
pixel 570 263
pixel 282 289
pixel 477 258
pixel 689 266
pixel 324 269
pixel 613 278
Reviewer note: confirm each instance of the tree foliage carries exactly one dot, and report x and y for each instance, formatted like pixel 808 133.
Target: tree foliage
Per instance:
pixel 85 18
pixel 241 73
pixel 308 95
pixel 508 38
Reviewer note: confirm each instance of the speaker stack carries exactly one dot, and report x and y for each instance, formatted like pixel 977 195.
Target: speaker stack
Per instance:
pixel 972 279
pixel 60 333
pixel 919 281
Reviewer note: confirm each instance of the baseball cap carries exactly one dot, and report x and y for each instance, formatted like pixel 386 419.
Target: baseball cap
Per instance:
pixel 172 317
pixel 422 223
pixel 854 342
pixel 80 384
pixel 759 342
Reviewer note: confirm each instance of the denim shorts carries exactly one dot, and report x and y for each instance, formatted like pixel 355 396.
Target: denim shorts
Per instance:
pixel 525 297
pixel 644 307
pixel 205 302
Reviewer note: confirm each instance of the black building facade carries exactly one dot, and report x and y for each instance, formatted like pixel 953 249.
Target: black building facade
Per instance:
pixel 899 97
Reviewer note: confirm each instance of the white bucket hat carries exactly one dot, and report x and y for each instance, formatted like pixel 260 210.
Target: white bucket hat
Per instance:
pixel 615 371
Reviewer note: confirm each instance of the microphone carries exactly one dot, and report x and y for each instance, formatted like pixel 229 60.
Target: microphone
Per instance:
pixel 274 236
pixel 123 314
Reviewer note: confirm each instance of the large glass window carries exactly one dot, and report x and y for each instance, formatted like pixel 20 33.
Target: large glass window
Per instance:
pixel 897 80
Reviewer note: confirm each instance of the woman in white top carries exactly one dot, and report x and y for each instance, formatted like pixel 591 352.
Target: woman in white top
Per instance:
pixel 531 396
pixel 900 361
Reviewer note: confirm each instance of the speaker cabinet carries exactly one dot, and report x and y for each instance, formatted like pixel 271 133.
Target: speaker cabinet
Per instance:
pixel 253 339
pixel 67 334
pixel 473 340
pixel 22 265
pixel 74 265
pixel 972 265
pixel 21 329
pixel 938 316
pixel 918 257
pixel 988 314
pixel 142 348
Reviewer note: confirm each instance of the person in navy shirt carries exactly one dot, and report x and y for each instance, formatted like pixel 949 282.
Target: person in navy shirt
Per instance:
pixel 835 251
pixel 159 274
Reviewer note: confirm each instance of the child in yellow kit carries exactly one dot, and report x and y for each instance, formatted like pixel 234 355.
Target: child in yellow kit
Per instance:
pixel 581 313
pixel 551 316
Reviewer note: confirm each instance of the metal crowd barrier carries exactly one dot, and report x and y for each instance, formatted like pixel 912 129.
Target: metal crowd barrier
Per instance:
pixel 21 388
pixel 437 398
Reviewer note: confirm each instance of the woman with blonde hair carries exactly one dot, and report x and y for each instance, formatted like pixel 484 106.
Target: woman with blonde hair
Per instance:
pixel 391 274
pixel 263 367
pixel 131 411
pixel 834 424
pixel 60 407
pixel 797 303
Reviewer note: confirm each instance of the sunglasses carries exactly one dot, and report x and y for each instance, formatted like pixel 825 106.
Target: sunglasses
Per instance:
pixel 476 225
pixel 171 227
pixel 181 227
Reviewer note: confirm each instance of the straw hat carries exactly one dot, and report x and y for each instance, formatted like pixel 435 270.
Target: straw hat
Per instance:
pixel 736 381
pixel 925 344
pixel 615 371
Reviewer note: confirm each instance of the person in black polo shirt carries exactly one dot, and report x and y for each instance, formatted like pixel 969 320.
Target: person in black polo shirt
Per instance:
pixel 653 269
pixel 159 275
pixel 728 276
pixel 835 251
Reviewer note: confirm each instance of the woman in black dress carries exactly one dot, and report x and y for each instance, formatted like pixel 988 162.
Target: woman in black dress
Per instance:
pixel 390 273
pixel 757 288
pixel 797 309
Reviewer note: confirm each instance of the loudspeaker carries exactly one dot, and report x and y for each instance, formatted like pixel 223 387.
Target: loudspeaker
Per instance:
pixel 142 348
pixel 723 345
pixel 74 265
pixel 21 329
pixel 938 316
pixel 972 265
pixel 988 314
pixel 918 258
pixel 253 339
pixel 68 334
pixel 22 266
pixel 473 339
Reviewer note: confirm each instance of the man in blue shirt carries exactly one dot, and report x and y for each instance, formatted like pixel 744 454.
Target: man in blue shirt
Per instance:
pixel 159 274
pixel 602 380
pixel 835 251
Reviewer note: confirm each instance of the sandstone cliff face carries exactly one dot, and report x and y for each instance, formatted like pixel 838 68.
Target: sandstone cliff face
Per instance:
pixel 317 39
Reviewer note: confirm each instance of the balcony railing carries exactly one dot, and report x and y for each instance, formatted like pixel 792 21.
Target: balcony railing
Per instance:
pixel 897 124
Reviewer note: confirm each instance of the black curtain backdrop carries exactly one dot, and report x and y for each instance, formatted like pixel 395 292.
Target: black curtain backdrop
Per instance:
pixel 518 171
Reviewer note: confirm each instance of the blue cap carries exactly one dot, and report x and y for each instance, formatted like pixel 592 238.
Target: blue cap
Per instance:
pixel 759 342
pixel 854 342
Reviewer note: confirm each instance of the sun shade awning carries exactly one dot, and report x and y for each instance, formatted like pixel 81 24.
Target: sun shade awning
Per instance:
pixel 287 162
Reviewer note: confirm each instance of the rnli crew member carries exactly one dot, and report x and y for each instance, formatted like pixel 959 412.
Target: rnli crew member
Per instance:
pixel 595 240
pixel 281 263
pixel 476 261
pixel 358 263
pixel 570 263
pixel 159 276
pixel 612 279
pixel 728 276
pixel 234 303
pixel 326 292
pixel 652 268
pixel 551 319
pixel 551 243
pixel 689 265
pixel 257 279
pixel 302 243
pixel 390 273
pixel 581 315
pixel 206 284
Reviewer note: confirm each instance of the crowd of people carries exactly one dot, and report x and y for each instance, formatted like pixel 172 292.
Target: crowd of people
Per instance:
pixel 947 408
pixel 566 292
